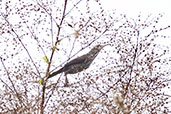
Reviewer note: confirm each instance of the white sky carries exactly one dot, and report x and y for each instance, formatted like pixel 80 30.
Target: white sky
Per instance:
pixel 134 6
pixel 132 9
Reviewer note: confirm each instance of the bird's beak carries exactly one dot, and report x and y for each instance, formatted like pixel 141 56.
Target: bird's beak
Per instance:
pixel 106 45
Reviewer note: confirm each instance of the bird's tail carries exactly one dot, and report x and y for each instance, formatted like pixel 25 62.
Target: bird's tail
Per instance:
pixel 55 73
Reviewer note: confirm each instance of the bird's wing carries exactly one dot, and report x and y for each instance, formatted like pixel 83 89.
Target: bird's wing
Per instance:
pixel 78 60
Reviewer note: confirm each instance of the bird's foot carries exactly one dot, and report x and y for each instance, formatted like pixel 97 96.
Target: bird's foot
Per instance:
pixel 66 82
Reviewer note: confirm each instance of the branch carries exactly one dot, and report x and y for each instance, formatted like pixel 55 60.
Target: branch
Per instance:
pixel 7 75
pixel 48 68
pixel 15 91
pixel 55 85
pixel 73 7
pixel 17 36
pixel 48 14
pixel 36 40
pixel 133 62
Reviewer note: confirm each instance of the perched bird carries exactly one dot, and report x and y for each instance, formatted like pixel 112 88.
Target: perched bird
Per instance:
pixel 79 64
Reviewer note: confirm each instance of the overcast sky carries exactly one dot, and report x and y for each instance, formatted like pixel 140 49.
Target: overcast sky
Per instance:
pixel 133 6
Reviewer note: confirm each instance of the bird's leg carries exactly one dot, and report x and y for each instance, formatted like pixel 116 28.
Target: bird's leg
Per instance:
pixel 66 81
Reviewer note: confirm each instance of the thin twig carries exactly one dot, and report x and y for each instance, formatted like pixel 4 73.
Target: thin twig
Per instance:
pixel 18 96
pixel 49 64
pixel 51 23
pixel 133 62
pixel 17 36
pixel 36 40
pixel 116 83
pixel 53 90
pixel 73 7
pixel 72 47
pixel 48 13
pixel 7 75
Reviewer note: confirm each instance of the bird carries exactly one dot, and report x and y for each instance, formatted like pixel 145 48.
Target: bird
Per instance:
pixel 78 64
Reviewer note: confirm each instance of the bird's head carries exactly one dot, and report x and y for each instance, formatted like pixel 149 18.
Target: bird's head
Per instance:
pixel 94 52
pixel 96 49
